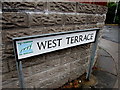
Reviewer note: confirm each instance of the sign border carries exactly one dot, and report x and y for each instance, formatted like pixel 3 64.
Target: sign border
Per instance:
pixel 47 35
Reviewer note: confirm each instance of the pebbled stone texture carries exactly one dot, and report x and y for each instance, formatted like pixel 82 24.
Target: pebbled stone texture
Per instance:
pixel 14 19
pixel 62 6
pixel 75 19
pixel 101 9
pixel 46 20
pixel 91 8
pixel 17 6
pixel 86 8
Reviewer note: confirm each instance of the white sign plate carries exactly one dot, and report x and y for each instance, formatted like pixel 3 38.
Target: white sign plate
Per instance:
pixel 48 43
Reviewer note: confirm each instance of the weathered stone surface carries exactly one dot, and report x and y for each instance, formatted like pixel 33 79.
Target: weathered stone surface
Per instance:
pixel 42 78
pixel 83 19
pixel 101 9
pixel 66 59
pixel 61 80
pixel 43 19
pixel 46 65
pixel 8 34
pixel 63 6
pixel 11 85
pixel 101 19
pixel 14 19
pixel 75 19
pixel 91 8
pixel 8 5
pixel 17 6
pixel 8 48
pixel 47 82
pixel 78 63
pixel 76 72
pixel 5 67
pixel 92 19
pixel 41 6
pixel 86 8
pixel 9 76
pixel 81 48
pixel 58 70
pixel 26 6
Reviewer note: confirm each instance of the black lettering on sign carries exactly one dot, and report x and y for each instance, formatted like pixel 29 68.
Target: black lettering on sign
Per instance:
pixel 91 36
pixel 76 39
pixel 72 40
pixel 80 38
pixel 49 44
pixel 54 43
pixel 68 40
pixel 85 38
pixel 41 45
pixel 59 41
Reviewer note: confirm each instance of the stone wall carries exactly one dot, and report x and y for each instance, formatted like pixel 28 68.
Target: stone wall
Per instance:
pixel 53 69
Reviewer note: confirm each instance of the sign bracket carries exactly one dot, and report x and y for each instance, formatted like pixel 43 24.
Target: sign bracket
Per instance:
pixel 20 73
pixel 92 56
pixel 19 68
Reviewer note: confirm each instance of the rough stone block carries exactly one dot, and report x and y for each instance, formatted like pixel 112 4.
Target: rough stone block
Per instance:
pixel 101 9
pixel 41 6
pixel 92 19
pixel 78 63
pixel 46 65
pixel 28 71
pixel 44 78
pixel 76 72
pixel 85 54
pixel 88 26
pixel 66 59
pixel 91 8
pixel 53 29
pixel 61 80
pixel 101 19
pixel 17 6
pixel 11 63
pixel 35 60
pixel 7 77
pixel 36 78
pixel 5 67
pixel 44 19
pixel 75 19
pixel 14 6
pixel 86 8
pixel 64 52
pixel 47 83
pixel 52 55
pixel 14 19
pixel 8 34
pixel 81 48
pixel 11 85
pixel 58 70
pixel 9 48
pixel 63 6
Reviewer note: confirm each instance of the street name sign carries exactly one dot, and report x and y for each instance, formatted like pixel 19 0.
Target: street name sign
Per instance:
pixel 39 44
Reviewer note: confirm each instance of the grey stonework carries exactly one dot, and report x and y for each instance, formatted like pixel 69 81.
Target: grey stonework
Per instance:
pixel 17 6
pixel 22 20
pixel 53 69
pixel 62 6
